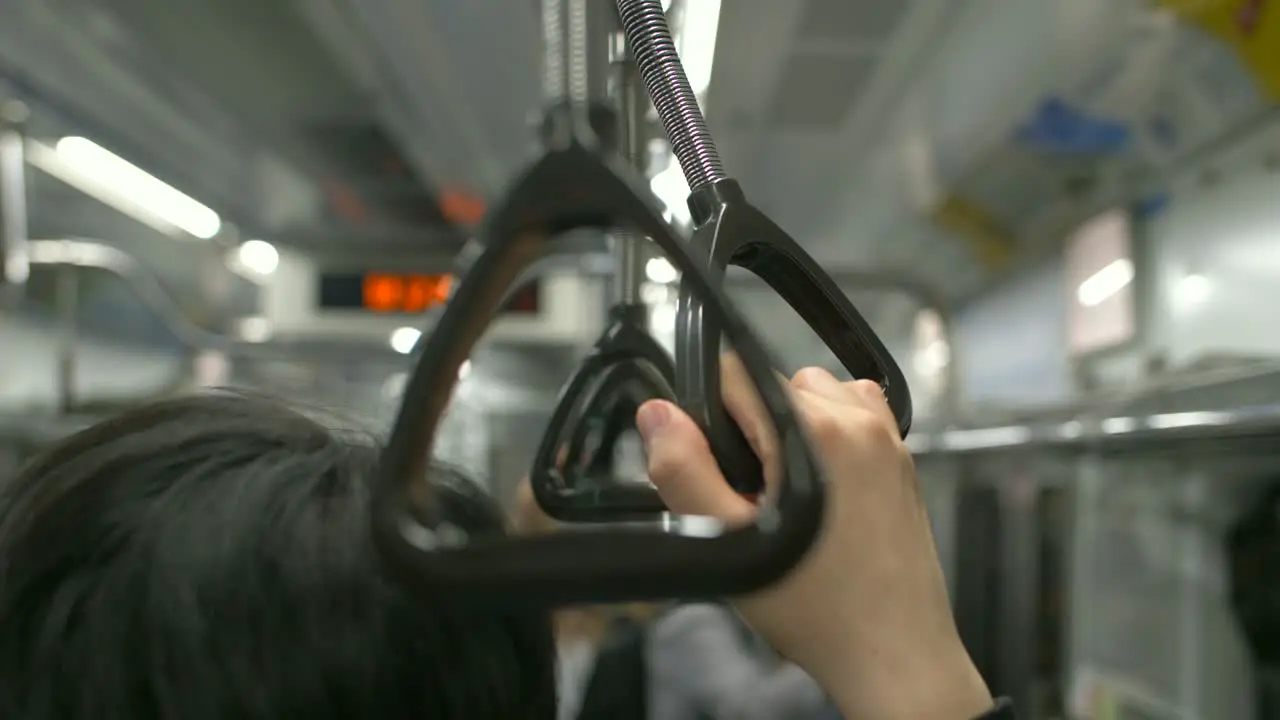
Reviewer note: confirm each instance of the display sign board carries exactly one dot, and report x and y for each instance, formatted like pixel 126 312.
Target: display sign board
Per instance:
pixel 389 293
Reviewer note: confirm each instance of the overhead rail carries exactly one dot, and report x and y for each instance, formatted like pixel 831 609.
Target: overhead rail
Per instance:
pixel 1165 413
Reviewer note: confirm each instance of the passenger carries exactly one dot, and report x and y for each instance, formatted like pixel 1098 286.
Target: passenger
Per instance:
pixel 696 661
pixel 601 671
pixel 706 664
pixel 209 557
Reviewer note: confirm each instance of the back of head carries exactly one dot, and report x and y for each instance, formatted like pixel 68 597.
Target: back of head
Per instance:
pixel 210 557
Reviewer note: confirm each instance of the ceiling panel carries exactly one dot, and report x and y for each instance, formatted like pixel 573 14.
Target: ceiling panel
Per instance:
pixel 850 21
pixel 816 92
pixel 362 165
pixel 55 59
pixel 254 57
pixel 795 178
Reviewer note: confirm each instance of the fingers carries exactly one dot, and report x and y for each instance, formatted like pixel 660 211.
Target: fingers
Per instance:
pixel 682 468
pixel 871 397
pixel 822 383
pixel 527 517
pixel 748 413
pixel 811 384
pixel 686 474
pixel 864 394
pixel 744 406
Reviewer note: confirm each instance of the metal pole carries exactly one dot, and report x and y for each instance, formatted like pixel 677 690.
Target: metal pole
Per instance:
pixel 14 261
pixel 628 248
pixel 67 303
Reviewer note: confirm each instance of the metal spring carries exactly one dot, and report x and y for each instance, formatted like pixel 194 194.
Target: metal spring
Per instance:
pixel 553 50
pixel 655 55
pixel 579 87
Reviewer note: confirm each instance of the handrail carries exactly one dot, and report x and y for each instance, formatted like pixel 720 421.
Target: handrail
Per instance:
pixel 88 253
pixel 1122 422
pixel 1103 432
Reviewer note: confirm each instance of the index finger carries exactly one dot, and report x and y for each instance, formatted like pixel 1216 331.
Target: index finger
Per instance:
pixel 748 412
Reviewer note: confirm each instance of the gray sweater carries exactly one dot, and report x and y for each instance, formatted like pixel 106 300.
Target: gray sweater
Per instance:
pixel 699 668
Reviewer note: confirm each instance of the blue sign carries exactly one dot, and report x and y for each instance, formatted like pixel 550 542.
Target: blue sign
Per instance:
pixel 1056 127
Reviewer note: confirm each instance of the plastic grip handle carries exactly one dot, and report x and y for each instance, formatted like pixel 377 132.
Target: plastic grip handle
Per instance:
pixel 567 189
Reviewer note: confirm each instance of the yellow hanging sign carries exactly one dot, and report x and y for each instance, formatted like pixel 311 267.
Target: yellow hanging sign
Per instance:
pixel 990 242
pixel 1250 27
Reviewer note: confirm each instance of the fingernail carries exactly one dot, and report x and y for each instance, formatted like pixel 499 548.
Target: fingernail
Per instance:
pixel 650 419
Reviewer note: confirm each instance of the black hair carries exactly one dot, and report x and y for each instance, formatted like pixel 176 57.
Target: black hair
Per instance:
pixel 210 558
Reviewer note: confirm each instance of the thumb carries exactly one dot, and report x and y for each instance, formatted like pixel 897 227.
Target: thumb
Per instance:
pixel 682 468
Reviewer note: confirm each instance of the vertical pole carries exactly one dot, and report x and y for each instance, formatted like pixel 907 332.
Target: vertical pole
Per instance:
pixel 627 88
pixel 67 302
pixel 15 264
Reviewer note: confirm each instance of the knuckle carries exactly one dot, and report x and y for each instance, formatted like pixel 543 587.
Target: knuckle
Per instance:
pixel 868 388
pixel 806 378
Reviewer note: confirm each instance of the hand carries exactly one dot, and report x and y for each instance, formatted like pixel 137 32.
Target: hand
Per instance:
pixel 866 612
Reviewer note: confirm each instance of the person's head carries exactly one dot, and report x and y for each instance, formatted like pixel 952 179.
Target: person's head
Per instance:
pixel 210 557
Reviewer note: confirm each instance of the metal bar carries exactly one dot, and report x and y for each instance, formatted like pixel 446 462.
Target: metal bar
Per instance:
pixel 67 303
pixel 70 255
pixel 628 247
pixel 1019 607
pixel 1103 432
pixel 14 265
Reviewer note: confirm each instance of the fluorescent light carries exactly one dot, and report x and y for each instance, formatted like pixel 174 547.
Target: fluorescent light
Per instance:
pixel 696 41
pixel 255 329
pixel 116 182
pixel 660 270
pixel 1192 289
pixel 1105 283
pixel 672 189
pixel 404 339
pixel 258 256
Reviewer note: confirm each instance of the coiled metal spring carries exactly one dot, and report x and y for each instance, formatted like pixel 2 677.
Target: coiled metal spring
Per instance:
pixel 654 49
pixel 579 88
pixel 554 78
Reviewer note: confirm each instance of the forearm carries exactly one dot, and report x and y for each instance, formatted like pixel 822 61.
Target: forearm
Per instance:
pixel 944 686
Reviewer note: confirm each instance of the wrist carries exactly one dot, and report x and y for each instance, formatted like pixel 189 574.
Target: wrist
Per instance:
pixel 938 687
